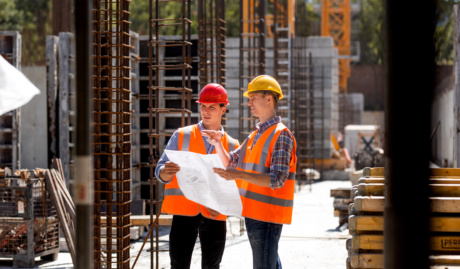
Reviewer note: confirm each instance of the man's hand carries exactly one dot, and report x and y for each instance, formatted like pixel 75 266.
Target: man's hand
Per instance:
pixel 228 174
pixel 168 171
pixel 213 212
pixel 214 137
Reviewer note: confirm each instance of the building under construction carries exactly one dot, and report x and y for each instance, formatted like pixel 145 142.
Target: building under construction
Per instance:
pixel 137 89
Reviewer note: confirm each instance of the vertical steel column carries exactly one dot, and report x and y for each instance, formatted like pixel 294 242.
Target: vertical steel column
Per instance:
pixel 252 56
pixel 181 44
pixel 112 133
pixel 407 136
pixel 83 160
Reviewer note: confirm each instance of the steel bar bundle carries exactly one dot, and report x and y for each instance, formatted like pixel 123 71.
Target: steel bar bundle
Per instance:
pixel 180 65
pixel 112 134
pixel 252 56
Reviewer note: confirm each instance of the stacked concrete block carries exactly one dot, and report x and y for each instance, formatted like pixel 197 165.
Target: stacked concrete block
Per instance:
pixel 326 85
pixel 351 108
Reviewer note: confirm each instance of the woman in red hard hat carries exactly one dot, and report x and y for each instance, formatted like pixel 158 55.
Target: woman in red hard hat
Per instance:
pixel 191 219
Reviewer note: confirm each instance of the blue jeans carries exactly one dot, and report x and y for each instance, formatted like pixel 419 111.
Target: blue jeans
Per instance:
pixel 264 238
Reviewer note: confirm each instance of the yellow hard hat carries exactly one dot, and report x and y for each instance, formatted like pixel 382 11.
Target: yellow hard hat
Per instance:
pixel 264 83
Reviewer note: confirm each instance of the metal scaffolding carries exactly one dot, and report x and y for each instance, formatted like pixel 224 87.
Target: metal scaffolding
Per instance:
pixel 180 65
pixel 112 133
pixel 252 56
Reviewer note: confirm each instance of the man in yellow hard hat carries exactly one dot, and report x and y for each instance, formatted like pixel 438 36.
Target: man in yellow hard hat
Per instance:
pixel 191 219
pixel 266 164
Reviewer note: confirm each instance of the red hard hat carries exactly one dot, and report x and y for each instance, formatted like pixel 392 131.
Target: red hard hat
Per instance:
pixel 213 93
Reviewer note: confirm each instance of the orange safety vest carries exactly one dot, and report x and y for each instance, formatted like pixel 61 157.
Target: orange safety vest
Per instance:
pixel 175 203
pixel 264 203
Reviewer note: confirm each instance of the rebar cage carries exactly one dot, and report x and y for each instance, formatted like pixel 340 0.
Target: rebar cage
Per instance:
pixel 177 49
pixel 252 56
pixel 112 133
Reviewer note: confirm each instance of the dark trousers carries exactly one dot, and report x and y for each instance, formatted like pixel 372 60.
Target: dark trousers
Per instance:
pixel 182 239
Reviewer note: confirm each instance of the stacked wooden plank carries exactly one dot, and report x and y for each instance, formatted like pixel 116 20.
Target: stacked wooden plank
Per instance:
pixel 365 248
pixel 342 200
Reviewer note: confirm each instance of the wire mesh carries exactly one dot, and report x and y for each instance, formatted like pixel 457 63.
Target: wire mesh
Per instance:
pixel 112 134
pixel 28 219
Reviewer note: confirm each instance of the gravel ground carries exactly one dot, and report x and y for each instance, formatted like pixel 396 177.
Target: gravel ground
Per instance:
pixel 313 240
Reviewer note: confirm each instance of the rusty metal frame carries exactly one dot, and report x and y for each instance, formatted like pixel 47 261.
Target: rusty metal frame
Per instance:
pixel 282 56
pixel 157 87
pixel 112 133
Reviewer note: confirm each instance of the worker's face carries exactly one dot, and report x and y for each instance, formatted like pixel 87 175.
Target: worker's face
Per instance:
pixel 258 103
pixel 211 114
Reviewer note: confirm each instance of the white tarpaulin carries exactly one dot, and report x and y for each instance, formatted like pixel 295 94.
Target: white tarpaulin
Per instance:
pixel 200 184
pixel 15 88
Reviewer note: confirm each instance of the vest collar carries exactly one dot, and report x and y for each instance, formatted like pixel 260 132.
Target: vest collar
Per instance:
pixel 261 127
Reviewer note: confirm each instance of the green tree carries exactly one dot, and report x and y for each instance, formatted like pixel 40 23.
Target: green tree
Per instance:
pixel 10 17
pixel 371 31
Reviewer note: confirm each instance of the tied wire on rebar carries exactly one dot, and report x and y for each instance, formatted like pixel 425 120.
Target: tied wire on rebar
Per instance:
pixel 112 133
pixel 181 45
pixel 252 57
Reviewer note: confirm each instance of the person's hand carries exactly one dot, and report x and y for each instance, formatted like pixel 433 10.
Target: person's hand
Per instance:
pixel 214 137
pixel 169 170
pixel 213 212
pixel 228 174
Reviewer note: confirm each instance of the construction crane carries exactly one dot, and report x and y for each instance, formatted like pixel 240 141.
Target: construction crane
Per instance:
pixel 336 22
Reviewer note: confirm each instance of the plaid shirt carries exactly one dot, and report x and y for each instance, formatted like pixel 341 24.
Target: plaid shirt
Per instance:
pixel 281 157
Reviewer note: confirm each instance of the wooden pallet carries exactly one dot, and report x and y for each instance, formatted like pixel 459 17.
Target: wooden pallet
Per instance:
pixel 365 247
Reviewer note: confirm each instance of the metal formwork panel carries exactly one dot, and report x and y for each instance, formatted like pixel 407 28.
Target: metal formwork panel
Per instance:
pixel 252 56
pixel 66 108
pixel 112 133
pixel 10 146
pixel 135 118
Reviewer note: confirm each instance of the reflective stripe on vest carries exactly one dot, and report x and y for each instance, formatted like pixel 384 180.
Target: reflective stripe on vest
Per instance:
pixel 264 203
pixel 190 139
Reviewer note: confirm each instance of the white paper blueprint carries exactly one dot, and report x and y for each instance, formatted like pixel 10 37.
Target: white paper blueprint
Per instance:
pixel 200 184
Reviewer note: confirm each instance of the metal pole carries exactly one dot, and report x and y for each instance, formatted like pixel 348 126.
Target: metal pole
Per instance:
pixel 409 64
pixel 84 195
